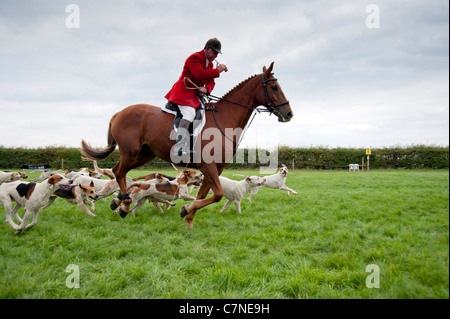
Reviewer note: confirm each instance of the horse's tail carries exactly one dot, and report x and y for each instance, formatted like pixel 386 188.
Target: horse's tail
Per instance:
pixel 94 155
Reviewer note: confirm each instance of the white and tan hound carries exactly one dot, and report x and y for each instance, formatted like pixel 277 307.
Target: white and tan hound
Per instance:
pixel 30 196
pixel 77 194
pixel 11 176
pixel 163 190
pixel 276 181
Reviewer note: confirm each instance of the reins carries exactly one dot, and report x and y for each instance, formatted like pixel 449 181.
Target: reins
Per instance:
pixel 210 96
pixel 218 126
pixel 269 104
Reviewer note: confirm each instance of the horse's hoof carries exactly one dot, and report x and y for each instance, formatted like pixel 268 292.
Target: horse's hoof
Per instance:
pixel 184 211
pixel 122 213
pixel 113 204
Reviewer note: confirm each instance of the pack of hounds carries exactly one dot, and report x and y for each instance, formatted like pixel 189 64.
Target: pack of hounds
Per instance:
pixel 85 186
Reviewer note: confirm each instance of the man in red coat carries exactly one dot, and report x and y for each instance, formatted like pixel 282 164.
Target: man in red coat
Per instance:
pixel 198 70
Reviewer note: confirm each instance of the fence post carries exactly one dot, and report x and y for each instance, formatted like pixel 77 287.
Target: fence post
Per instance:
pixel 293 168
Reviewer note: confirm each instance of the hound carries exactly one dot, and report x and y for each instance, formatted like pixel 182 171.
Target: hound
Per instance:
pixel 44 175
pixel 73 174
pixel 31 196
pixel 140 196
pixel 96 174
pixel 151 176
pixel 163 190
pixel 276 181
pixel 193 182
pixel 8 177
pixel 77 194
pixel 11 176
pixel 83 170
pixel 23 175
pixel 103 171
pixel 103 187
pixel 235 191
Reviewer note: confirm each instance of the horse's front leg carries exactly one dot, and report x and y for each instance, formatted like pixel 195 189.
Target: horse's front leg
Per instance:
pixel 188 211
pixel 201 194
pixel 210 181
pixel 123 201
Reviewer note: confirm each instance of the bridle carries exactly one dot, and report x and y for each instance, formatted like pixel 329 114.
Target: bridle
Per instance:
pixel 268 100
pixel 270 105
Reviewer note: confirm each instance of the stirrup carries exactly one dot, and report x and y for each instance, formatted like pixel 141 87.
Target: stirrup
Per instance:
pixel 181 152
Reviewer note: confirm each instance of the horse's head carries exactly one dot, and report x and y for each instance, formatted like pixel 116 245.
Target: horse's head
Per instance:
pixel 272 97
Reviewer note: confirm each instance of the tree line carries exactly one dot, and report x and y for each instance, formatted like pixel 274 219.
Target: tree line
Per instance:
pixel 408 157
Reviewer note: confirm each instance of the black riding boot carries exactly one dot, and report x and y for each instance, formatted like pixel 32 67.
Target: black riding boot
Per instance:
pixel 181 143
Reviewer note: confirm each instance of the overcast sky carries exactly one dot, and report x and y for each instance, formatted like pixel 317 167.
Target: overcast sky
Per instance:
pixel 356 75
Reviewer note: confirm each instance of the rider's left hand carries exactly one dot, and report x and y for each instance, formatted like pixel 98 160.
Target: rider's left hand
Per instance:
pixel 202 91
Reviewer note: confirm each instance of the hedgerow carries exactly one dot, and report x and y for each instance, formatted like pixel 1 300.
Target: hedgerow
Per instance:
pixel 410 157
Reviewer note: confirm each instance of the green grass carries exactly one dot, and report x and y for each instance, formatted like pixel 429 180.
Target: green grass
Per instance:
pixel 313 245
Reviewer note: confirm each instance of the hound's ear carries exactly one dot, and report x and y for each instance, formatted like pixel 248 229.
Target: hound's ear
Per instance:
pixel 92 184
pixel 51 180
pixel 188 174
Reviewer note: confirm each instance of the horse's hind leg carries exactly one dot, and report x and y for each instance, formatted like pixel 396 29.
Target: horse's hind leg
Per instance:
pixel 120 171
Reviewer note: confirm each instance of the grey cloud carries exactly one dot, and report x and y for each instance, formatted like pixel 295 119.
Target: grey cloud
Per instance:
pixel 327 61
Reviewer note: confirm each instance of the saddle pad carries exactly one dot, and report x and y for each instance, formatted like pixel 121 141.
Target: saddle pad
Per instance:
pixel 199 120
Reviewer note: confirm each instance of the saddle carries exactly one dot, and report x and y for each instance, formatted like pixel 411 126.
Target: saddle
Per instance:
pixel 196 126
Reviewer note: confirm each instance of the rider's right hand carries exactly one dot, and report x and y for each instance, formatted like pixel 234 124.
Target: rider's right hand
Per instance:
pixel 222 67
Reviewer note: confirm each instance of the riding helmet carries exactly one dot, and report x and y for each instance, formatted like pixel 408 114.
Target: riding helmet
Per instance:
pixel 214 44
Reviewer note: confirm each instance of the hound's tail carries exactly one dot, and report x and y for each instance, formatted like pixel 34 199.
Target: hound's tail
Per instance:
pixel 92 154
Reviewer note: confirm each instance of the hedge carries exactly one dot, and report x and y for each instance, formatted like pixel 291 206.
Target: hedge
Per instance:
pixel 411 157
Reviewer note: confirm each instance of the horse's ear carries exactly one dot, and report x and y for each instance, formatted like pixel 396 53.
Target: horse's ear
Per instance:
pixel 269 70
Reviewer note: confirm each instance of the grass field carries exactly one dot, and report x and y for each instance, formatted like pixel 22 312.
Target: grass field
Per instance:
pixel 313 245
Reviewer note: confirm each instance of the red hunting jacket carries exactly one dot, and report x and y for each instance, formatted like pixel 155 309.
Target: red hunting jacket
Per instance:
pixel 195 69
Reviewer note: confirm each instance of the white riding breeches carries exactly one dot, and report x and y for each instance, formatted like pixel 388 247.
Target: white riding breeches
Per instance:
pixel 188 112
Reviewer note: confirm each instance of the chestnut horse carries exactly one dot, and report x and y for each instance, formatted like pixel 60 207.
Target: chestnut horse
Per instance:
pixel 142 132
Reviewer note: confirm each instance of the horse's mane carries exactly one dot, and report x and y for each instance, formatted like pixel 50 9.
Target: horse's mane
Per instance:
pixel 237 87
